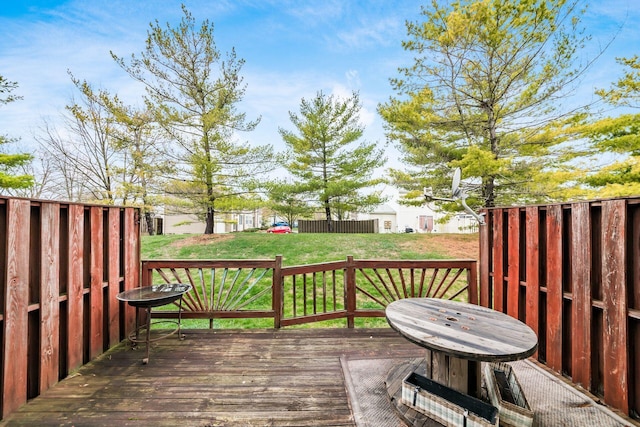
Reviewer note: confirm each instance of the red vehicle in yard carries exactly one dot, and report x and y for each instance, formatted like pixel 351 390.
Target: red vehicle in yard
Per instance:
pixel 279 229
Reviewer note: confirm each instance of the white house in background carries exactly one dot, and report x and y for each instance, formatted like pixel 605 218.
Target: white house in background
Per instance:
pixel 175 223
pixel 395 218
pixel 387 218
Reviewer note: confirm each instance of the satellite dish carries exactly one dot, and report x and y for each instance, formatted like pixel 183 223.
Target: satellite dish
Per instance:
pixel 455 186
pixel 458 195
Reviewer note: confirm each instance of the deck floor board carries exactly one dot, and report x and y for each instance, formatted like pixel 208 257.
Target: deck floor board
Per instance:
pixel 215 378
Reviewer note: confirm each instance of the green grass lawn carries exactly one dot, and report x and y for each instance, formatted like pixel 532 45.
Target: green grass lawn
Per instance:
pixel 297 249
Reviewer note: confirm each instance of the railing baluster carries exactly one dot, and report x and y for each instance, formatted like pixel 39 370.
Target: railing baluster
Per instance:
pixel 223 279
pixel 195 289
pixel 315 294
pixel 295 297
pixel 450 284
pixel 422 277
pixel 304 292
pixel 213 288
pixel 442 281
pixel 432 281
pixel 383 294
pixel 237 303
pixel 395 286
pixel 324 291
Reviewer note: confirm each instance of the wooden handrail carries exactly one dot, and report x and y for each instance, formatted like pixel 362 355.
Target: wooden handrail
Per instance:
pixel 239 289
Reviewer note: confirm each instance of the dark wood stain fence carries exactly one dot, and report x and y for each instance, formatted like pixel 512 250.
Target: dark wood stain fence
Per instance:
pixel 572 272
pixel 61 266
pixel 321 226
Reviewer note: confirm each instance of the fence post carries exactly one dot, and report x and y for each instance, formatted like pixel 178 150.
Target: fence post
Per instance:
pixel 146 273
pixel 96 274
pixel 277 287
pixel 472 279
pixel 485 267
pixel 351 292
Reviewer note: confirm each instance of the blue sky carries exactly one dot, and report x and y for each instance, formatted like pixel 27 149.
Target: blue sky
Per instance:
pixel 292 48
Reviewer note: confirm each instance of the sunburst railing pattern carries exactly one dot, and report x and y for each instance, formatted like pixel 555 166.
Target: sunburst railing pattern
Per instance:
pixel 220 289
pixel 308 293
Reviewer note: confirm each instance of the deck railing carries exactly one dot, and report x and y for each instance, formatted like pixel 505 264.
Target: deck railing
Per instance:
pixel 350 289
pixel 61 265
pixel 572 272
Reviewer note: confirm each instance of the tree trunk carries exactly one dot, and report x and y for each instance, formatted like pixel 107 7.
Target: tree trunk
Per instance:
pixel 208 229
pixel 327 210
pixel 149 221
pixel 488 192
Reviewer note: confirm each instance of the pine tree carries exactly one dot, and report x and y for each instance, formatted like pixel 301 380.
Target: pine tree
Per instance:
pixel 485 84
pixel 194 92
pixel 9 162
pixel 326 159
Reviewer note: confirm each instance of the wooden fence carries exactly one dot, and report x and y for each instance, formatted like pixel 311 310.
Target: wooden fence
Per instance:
pixel 61 266
pixel 321 226
pixel 572 272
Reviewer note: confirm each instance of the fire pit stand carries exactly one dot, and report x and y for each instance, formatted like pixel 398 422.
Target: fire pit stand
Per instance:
pixel 147 297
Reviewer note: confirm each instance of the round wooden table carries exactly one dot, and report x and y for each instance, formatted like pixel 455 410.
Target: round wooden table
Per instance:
pixel 459 336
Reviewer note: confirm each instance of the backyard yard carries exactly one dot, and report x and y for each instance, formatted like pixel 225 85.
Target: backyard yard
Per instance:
pixel 311 248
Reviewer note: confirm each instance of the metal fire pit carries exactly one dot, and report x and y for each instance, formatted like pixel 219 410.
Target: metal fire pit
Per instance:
pixel 147 297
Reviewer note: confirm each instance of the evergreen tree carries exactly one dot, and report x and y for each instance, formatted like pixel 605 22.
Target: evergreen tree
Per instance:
pixel 194 92
pixel 486 82
pixel 10 162
pixel 618 138
pixel 326 159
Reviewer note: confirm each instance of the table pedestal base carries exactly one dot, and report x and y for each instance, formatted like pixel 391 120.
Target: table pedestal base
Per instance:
pixel 462 375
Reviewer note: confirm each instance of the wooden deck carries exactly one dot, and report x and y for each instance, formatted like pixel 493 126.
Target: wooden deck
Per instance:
pixel 215 378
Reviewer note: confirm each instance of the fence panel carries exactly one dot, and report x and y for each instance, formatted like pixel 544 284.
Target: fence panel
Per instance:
pixel 581 277
pixel 16 299
pixel 53 265
pixel 321 226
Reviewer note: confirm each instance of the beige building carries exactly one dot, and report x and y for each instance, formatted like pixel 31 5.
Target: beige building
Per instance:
pixel 223 223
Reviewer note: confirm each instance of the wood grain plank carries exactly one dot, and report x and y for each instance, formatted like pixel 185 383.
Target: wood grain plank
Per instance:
pixel 96 298
pixel 532 309
pixel 513 262
pixel 485 258
pixel 131 251
pixel 554 287
pixel 634 302
pixel 498 260
pixel 49 294
pixel 614 281
pixel 113 275
pixel 581 304
pixel 16 321
pixel 75 303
